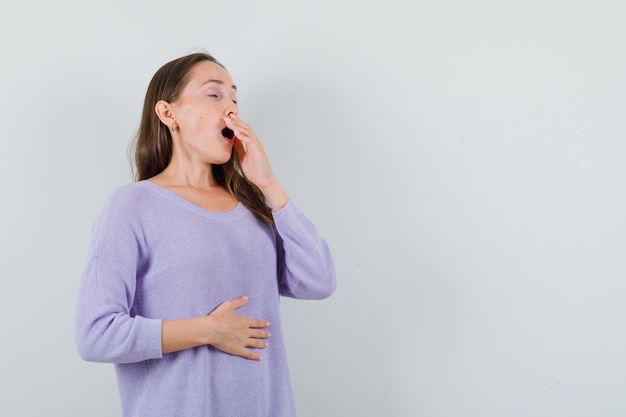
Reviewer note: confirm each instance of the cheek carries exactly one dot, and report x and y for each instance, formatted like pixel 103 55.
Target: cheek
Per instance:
pixel 197 116
pixel 195 120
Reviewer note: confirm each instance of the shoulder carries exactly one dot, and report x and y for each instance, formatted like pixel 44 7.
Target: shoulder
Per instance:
pixel 129 192
pixel 129 195
pixel 126 201
pixel 120 224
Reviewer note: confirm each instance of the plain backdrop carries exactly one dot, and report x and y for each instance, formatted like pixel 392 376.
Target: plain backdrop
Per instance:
pixel 464 160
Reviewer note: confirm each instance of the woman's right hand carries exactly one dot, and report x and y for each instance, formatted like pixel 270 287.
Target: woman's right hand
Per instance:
pixel 233 333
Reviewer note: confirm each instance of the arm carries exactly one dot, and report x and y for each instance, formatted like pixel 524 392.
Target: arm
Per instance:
pixel 305 265
pixel 107 332
pixel 255 164
pixel 306 269
pixel 105 329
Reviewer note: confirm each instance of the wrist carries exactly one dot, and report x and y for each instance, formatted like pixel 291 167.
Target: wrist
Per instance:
pixel 275 196
pixel 183 334
pixel 206 330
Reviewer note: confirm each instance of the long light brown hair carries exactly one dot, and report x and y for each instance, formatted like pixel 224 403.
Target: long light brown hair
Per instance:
pixel 153 144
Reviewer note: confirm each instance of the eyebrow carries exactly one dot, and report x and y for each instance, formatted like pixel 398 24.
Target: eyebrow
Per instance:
pixel 234 87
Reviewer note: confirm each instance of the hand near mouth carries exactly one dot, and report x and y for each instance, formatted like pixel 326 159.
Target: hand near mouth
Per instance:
pixel 254 162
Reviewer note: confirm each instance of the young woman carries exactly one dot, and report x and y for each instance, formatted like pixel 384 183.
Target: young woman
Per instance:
pixel 186 265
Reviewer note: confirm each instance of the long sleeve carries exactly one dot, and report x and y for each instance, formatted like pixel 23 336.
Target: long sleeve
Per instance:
pixel 155 256
pixel 305 265
pixel 106 329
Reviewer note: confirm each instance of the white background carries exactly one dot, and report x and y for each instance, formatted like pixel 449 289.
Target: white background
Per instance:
pixel 464 160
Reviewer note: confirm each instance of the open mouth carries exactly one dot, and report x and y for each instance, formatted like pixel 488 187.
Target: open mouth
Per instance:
pixel 228 133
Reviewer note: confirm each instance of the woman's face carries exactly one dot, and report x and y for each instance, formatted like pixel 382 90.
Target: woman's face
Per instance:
pixel 208 98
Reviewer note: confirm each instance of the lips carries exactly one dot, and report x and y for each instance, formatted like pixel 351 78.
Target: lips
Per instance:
pixel 228 133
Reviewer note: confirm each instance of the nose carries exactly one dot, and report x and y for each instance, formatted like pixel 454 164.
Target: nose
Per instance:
pixel 231 109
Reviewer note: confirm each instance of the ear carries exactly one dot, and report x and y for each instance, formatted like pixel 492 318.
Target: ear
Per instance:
pixel 164 111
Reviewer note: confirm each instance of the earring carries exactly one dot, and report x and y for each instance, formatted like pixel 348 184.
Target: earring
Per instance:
pixel 173 127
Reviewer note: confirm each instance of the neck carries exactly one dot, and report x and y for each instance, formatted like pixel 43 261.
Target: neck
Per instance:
pixel 198 175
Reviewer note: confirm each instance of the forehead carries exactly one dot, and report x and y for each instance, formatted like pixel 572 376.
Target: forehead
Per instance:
pixel 209 71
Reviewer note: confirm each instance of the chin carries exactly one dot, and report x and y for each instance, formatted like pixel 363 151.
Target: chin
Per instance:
pixel 221 161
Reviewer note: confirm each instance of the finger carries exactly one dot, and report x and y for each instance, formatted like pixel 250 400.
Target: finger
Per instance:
pixel 245 353
pixel 260 334
pixel 258 324
pixel 257 344
pixel 242 138
pixel 238 302
pixel 241 129
pixel 235 132
pixel 236 120
pixel 236 127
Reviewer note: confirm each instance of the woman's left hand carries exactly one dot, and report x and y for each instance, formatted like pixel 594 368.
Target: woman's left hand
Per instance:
pixel 254 162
